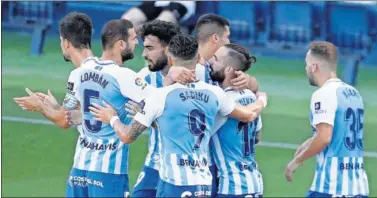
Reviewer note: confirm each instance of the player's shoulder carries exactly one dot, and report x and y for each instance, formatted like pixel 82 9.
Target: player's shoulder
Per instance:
pixel 237 94
pixel 328 90
pixel 144 72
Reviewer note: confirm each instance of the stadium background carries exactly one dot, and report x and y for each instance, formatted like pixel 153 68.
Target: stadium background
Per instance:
pixel 37 156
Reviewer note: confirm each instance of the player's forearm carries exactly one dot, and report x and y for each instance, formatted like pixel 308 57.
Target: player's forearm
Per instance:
pixel 315 145
pixel 254 109
pixel 128 134
pixel 253 84
pixel 56 116
pixel 168 81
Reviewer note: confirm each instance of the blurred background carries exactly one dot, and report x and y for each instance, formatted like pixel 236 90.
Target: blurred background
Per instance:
pixel 37 156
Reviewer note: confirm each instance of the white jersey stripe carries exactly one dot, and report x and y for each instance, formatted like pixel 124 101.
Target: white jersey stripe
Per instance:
pixel 333 175
pixel 323 174
pixel 220 155
pixel 250 183
pixel 83 156
pixel 345 178
pixel 106 158
pixel 118 158
pixel 237 179
pixel 94 157
pixel 355 190
pixel 176 171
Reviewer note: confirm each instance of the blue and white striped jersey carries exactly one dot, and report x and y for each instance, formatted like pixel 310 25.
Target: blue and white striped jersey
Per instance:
pixel 202 73
pixel 233 147
pixel 155 79
pixel 99 148
pixel 340 166
pixel 185 115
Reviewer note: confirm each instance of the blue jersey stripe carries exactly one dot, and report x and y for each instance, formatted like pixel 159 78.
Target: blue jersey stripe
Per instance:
pixel 339 178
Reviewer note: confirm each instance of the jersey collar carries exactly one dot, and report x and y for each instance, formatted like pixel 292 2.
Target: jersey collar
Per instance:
pixel 332 80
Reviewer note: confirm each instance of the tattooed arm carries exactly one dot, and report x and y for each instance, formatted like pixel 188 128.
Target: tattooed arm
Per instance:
pixel 107 114
pixel 128 134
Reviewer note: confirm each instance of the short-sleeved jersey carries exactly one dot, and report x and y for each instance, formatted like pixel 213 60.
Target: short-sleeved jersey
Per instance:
pixel 202 73
pixel 340 165
pixel 185 115
pixel 233 147
pixel 99 148
pixel 155 79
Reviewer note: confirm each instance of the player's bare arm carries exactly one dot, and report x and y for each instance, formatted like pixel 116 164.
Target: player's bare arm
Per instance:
pixel 46 105
pixel 316 145
pixel 303 146
pixel 179 74
pixel 250 112
pixel 245 81
pixel 107 114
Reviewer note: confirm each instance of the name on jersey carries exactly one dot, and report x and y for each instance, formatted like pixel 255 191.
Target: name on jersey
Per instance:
pixel 92 76
pixel 245 101
pixel 192 163
pixel 351 166
pixel 194 95
pixel 96 146
pixel 350 93
pixel 250 167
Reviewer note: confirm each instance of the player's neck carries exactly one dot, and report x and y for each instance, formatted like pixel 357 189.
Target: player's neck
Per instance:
pixel 325 77
pixel 226 83
pixel 109 55
pixel 165 70
pixel 205 52
pixel 80 56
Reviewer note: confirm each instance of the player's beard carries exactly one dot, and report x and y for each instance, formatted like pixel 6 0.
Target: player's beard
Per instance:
pixel 127 54
pixel 160 64
pixel 217 76
pixel 311 79
pixel 66 58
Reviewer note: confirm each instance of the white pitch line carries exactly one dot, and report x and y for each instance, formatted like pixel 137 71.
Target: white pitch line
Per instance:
pixel 263 144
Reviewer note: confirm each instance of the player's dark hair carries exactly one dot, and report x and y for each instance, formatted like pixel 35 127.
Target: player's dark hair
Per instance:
pixel 241 55
pixel 76 27
pixel 183 47
pixel 325 51
pixel 163 30
pixel 210 24
pixel 114 31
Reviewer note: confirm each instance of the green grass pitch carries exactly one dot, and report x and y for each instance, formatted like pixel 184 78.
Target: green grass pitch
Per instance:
pixel 37 157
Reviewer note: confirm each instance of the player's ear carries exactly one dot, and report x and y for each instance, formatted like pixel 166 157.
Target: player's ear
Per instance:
pixel 122 44
pixel 314 67
pixel 170 61
pixel 215 38
pixel 197 58
pixel 66 44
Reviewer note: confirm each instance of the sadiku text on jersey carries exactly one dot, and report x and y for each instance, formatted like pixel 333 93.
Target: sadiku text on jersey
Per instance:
pixel 96 146
pixel 195 95
pixel 99 79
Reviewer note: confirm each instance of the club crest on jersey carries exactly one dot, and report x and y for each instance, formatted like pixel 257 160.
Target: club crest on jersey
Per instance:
pixel 140 83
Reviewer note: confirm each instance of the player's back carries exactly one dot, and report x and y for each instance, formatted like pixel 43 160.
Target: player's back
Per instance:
pixel 101 149
pixel 184 126
pixel 340 166
pixel 233 147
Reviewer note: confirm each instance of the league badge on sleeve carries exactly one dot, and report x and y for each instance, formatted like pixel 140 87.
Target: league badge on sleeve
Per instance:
pixel 140 83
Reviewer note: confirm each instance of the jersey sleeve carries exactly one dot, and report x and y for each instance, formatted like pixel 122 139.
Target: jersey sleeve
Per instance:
pixel 323 106
pixel 131 85
pixel 71 99
pixel 153 107
pixel 226 104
